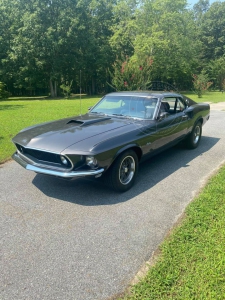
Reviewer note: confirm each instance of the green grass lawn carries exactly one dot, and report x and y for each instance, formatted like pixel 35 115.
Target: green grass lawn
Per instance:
pixel 191 264
pixel 213 97
pixel 16 114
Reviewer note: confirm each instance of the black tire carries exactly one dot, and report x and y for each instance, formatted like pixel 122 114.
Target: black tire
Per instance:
pixel 123 172
pixel 194 137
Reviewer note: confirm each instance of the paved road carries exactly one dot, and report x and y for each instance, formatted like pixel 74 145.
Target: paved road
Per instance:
pixel 79 240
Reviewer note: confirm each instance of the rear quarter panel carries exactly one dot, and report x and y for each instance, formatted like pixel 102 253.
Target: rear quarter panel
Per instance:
pixel 198 112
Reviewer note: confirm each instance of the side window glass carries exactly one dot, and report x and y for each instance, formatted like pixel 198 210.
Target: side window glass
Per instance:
pixel 169 103
pixel 180 105
pixel 173 105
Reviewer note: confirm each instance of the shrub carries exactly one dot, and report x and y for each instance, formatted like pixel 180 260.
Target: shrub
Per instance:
pixel 223 85
pixel 67 88
pixel 132 73
pixel 201 83
pixel 3 93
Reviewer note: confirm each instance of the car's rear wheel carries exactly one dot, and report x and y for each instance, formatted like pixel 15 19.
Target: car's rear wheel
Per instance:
pixel 194 138
pixel 122 174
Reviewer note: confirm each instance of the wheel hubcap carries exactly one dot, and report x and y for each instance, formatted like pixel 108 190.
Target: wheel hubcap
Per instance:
pixel 127 170
pixel 197 133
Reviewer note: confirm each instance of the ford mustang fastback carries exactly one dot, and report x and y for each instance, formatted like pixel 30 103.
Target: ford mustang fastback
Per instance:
pixel 110 141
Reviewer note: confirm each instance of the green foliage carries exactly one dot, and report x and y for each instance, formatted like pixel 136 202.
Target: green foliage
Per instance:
pixel 201 83
pixel 3 93
pixel 200 8
pixel 212 31
pixel 44 44
pixel 124 27
pixel 165 31
pixel 216 69
pixel 66 87
pixel 50 42
pixel 132 73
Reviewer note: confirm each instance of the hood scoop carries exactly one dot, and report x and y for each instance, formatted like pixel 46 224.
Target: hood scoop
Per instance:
pixel 87 122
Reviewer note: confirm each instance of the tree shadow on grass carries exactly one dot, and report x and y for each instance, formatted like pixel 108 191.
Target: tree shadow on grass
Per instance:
pixel 10 107
pixel 93 192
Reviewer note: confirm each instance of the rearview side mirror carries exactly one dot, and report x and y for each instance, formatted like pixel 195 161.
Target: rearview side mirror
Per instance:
pixel 163 115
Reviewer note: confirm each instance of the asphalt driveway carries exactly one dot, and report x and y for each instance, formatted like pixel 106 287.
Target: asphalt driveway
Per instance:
pixel 80 240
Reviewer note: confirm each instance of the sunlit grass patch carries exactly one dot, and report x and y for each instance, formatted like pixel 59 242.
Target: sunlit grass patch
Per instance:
pixel 213 97
pixel 192 260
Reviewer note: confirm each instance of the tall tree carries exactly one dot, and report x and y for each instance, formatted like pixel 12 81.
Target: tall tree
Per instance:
pixel 42 42
pixel 169 39
pixel 8 27
pixel 212 31
pixel 200 8
pixel 53 40
pixel 124 27
pixel 94 42
pixel 216 70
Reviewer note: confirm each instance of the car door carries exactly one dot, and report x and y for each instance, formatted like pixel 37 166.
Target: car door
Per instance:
pixel 171 122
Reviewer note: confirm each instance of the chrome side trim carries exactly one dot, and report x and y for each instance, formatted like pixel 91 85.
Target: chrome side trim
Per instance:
pixel 69 175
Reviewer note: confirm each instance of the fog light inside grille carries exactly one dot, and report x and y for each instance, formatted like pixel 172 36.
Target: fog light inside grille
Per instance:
pixel 63 160
pixel 91 161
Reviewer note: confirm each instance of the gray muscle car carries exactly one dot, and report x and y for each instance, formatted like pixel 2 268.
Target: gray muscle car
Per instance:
pixel 121 130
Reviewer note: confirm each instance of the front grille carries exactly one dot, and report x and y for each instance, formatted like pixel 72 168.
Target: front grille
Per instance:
pixel 41 157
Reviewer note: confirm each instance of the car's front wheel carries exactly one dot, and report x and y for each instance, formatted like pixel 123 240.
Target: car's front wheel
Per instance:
pixel 122 174
pixel 194 138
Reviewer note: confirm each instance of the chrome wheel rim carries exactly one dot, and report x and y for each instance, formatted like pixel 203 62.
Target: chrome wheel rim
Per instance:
pixel 197 134
pixel 127 170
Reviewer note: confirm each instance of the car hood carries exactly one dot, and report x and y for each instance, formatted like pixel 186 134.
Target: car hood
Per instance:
pixel 58 135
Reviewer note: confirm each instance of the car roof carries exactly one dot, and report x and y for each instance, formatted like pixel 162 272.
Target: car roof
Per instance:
pixel 158 94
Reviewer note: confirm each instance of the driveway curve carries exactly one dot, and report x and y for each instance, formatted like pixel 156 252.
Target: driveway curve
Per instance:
pixel 80 240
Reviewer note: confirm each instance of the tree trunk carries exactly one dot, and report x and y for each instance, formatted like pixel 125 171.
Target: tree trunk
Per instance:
pixel 53 88
pixel 93 86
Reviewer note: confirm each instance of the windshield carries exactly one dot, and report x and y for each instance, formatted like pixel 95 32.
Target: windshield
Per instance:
pixel 127 106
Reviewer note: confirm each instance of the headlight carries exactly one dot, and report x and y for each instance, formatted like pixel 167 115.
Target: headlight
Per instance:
pixel 63 160
pixel 91 161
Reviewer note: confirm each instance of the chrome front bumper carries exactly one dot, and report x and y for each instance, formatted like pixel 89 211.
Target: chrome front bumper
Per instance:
pixel 66 175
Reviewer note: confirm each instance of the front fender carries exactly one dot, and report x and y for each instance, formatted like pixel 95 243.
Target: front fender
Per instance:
pixel 106 159
pixel 130 146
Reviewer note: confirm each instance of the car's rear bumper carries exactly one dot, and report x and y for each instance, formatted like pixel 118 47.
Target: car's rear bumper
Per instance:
pixel 67 175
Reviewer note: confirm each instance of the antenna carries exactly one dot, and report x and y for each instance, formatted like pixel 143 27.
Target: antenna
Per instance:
pixel 80 92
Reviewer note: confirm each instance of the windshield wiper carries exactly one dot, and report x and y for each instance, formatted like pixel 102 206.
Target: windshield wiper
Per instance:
pixel 121 115
pixel 97 113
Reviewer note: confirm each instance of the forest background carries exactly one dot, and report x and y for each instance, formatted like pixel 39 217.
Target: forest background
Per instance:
pixel 48 47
